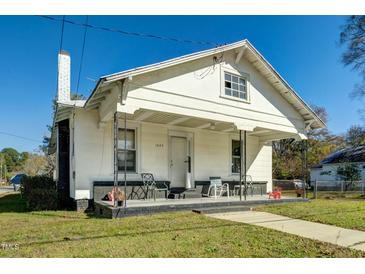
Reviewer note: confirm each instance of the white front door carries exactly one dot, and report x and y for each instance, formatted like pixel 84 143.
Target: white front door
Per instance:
pixel 178 161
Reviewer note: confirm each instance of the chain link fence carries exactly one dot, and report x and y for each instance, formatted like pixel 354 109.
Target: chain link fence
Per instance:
pixel 294 187
pixel 320 189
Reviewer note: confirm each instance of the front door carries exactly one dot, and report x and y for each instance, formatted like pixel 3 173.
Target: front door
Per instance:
pixel 178 161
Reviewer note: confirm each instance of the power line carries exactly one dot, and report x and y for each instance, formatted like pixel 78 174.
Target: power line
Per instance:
pixel 21 137
pixel 82 55
pixel 120 31
pixel 62 28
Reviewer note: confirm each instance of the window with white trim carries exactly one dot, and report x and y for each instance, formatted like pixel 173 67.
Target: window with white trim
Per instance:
pixel 129 151
pixel 235 86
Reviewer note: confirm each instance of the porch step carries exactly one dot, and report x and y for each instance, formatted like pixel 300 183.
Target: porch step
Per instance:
pixel 222 209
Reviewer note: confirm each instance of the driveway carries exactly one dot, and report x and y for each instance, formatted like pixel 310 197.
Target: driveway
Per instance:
pixel 325 233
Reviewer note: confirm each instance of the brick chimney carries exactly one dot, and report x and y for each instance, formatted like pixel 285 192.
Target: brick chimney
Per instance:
pixel 64 77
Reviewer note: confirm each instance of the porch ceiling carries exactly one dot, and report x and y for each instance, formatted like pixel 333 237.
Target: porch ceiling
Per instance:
pixel 150 116
pixel 164 118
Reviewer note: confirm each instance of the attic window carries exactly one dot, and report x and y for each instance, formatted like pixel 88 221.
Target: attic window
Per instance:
pixel 235 86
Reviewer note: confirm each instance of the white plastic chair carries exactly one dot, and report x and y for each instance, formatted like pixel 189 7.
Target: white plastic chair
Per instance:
pixel 216 188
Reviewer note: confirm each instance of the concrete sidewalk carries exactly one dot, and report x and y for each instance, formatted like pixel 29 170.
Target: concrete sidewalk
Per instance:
pixel 325 233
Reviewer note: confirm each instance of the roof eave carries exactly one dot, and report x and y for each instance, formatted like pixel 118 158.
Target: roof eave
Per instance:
pixel 193 56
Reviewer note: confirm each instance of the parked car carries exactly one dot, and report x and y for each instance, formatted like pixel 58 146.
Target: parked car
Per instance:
pixel 16 180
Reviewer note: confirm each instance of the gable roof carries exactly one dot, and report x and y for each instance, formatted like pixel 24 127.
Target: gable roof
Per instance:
pixel 349 154
pixel 253 56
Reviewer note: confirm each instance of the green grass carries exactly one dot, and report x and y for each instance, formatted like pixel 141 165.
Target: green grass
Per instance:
pixel 344 210
pixel 183 234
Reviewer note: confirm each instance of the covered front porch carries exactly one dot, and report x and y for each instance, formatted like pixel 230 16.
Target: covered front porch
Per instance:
pixel 184 152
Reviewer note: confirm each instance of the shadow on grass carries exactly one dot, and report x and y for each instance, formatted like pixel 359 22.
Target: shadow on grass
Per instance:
pixel 134 234
pixel 12 202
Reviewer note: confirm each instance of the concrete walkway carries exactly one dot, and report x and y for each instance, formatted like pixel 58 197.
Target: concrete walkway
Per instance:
pixel 325 233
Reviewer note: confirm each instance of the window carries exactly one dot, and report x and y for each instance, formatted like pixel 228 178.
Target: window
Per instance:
pixel 236 156
pixel 129 152
pixel 235 86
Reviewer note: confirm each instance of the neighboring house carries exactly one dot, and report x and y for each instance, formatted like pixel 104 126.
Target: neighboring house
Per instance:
pixel 326 171
pixel 16 180
pixel 183 119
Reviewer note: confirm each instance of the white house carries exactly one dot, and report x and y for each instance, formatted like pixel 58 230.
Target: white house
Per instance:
pixel 325 173
pixel 184 117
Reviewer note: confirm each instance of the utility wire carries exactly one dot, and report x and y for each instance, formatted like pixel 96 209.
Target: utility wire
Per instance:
pixel 62 28
pixel 21 137
pixel 120 31
pixel 82 54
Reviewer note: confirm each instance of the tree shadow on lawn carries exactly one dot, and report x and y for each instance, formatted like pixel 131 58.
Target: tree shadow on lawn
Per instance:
pixel 147 232
pixel 12 202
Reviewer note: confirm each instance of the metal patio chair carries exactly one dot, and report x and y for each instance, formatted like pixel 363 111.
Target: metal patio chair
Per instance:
pixel 217 187
pixel 150 185
pixel 249 185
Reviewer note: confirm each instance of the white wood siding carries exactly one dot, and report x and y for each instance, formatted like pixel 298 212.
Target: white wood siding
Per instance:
pixel 195 87
pixel 211 153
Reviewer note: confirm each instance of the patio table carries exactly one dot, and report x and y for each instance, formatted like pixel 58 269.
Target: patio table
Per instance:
pixel 138 192
pixel 236 188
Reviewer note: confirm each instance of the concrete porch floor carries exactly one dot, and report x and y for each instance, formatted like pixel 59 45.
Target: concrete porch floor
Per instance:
pixel 149 206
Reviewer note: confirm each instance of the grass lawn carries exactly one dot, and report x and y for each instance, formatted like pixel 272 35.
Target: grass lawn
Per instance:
pixel 346 211
pixel 183 234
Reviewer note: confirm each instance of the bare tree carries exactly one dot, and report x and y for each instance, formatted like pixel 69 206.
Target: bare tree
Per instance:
pixel 353 37
pixel 355 136
pixel 36 164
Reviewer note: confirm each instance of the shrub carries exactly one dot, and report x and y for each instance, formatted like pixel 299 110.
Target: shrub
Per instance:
pixel 39 192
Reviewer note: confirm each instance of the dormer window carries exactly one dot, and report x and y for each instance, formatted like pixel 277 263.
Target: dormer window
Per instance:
pixel 235 86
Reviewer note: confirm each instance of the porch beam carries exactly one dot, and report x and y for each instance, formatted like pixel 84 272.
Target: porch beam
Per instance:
pixel 228 129
pixel 259 132
pixel 178 120
pixel 245 127
pixel 144 115
pixel 206 125
pixel 276 137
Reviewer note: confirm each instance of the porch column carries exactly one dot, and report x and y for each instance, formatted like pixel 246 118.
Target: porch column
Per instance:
pixel 245 162
pixel 125 159
pixel 240 132
pixel 243 166
pixel 304 166
pixel 115 127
